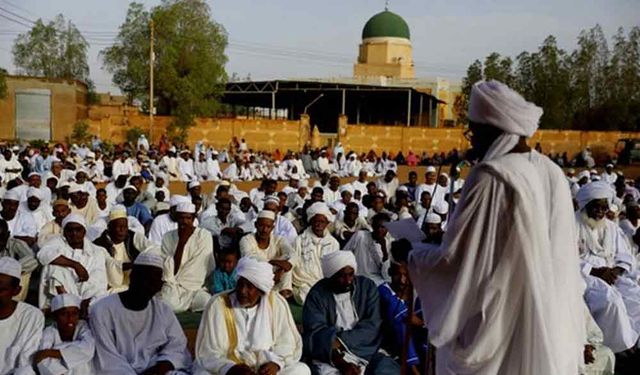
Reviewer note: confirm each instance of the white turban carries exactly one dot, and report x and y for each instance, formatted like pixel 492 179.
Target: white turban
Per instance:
pixel 11 195
pixel 337 260
pixel 177 199
pixel 186 208
pixel 257 272
pixel 193 184
pixel 10 267
pixel 118 212
pixel 149 259
pixel 441 207
pixel 494 103
pixel 65 300
pixel 319 208
pixel 593 191
pixel 347 187
pixel 74 218
pixel 34 192
pixel 266 214
pixel 433 219
pixel 583 174
pixel 77 188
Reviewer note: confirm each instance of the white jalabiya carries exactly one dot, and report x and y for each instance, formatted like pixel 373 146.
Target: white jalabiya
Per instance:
pixel 340 227
pixel 50 230
pixel 160 226
pixel 369 256
pixel 91 257
pixel 41 215
pixel 129 342
pixel 77 355
pixel 185 167
pixel 184 290
pixel 283 228
pixel 506 276
pixel 278 248
pixel 616 308
pixel 226 334
pixel 23 224
pixel 604 359
pixel 19 338
pixel 308 249
pixel 117 277
pixel 90 212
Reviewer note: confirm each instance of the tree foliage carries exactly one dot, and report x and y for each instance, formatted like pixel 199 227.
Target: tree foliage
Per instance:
pixel 3 83
pixel 189 74
pixel 53 50
pixel 593 87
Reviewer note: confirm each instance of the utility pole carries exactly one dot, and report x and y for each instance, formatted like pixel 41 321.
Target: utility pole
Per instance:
pixel 152 58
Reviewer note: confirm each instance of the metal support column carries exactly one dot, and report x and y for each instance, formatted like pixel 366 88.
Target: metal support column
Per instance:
pixel 344 100
pixel 409 109
pixel 273 105
pixel 420 112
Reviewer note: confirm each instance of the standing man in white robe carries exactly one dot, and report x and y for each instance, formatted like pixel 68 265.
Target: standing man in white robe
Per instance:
pixel 136 333
pixel 612 294
pixel 309 248
pixel 20 324
pixel 188 260
pixel 249 330
pixel 509 254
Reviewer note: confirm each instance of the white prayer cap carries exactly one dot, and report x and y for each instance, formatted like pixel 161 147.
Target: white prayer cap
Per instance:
pixel 337 260
pixel 149 259
pixel 129 186
pixel 34 192
pixel 593 191
pixel 77 188
pixel 347 187
pixel 11 195
pixel 593 171
pixel 270 199
pixel 118 212
pixel 186 208
pixel 431 169
pixel 177 199
pixel 583 174
pixel 33 174
pixel 496 104
pixel 74 218
pixel 433 219
pixel 295 176
pixel 572 171
pixel 266 214
pixel 10 267
pixel 161 206
pixel 60 202
pixel 65 300
pixel 224 183
pixel 91 155
pixel 162 175
pixel 402 188
pixel 614 208
pixel 441 207
pixel 193 184
pixel 609 165
pixel 319 208
pixel 257 272
pixel 172 149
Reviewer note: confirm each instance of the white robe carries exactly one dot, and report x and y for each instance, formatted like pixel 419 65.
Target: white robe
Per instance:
pixel 19 338
pixel 369 256
pixel 213 343
pixel 187 172
pixel 77 355
pixel 279 249
pixel 92 259
pixel 161 225
pixel 185 290
pixel 308 249
pixel 503 293
pixel 615 308
pixel 129 342
pixel 604 359
pixel 23 225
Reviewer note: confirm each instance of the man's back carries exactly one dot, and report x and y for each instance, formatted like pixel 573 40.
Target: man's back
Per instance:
pixel 507 272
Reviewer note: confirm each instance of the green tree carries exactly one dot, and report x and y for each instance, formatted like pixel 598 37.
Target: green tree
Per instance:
pixel 189 60
pixel 498 68
pixel 3 83
pixel 54 50
pixel 474 74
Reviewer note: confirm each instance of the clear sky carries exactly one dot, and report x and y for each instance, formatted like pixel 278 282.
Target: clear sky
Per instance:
pixel 319 38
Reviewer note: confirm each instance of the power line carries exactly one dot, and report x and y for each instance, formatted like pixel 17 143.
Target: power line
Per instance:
pixel 16 15
pixel 14 21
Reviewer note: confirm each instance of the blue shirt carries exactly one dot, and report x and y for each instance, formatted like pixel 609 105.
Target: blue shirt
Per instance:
pixel 221 281
pixel 140 212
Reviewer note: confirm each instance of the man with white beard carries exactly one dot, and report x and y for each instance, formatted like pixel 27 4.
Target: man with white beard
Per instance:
pixel 612 295
pixel 503 292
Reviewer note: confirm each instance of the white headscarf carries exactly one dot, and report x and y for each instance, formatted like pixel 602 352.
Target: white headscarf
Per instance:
pixel 595 190
pixel 496 104
pixel 260 274
pixel 319 208
pixel 337 260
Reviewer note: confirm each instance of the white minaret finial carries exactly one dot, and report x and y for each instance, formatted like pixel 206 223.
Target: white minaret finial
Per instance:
pixel 386 4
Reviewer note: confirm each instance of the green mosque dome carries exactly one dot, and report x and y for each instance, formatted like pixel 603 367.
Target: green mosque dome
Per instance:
pixel 386 24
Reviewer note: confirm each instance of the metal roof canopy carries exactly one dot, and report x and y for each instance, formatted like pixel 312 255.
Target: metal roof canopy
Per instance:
pixel 325 101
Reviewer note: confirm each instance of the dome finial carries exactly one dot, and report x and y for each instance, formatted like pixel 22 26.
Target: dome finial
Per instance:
pixel 386 5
